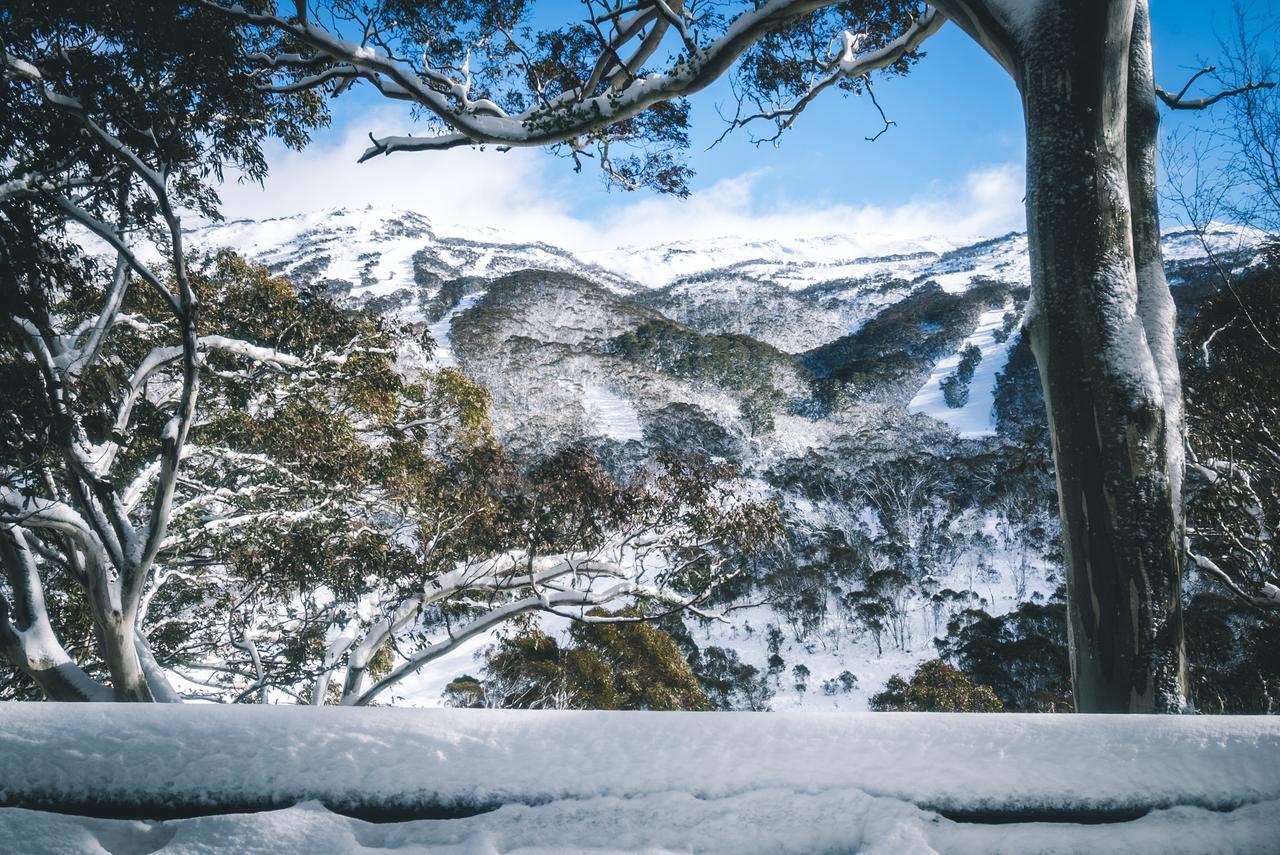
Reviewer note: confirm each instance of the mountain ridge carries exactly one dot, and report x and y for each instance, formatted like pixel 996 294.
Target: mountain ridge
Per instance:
pixel 837 384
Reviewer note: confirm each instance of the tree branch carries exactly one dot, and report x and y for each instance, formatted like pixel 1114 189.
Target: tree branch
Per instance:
pixel 1179 102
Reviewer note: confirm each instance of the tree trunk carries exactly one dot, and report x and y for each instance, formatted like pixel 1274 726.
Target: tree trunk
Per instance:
pixel 1101 327
pixel 27 639
pixel 120 652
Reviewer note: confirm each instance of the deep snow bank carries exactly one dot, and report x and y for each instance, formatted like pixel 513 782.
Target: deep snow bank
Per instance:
pixel 760 822
pixel 740 783
pixel 156 761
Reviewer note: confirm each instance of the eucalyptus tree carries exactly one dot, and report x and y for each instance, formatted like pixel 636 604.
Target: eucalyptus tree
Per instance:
pixel 207 476
pixel 347 522
pixel 116 119
pixel 611 86
pixel 343 516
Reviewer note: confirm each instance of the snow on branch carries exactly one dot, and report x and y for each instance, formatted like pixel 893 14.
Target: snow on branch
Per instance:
pixel 1269 599
pixel 846 62
pixel 27 637
pixel 514 583
pixel 577 112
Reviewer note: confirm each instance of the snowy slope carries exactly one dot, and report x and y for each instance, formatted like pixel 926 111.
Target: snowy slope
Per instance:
pixel 834 256
pixel 350 239
pixel 540 343
pixel 611 415
pixel 441 332
pixel 976 418
pixel 381 250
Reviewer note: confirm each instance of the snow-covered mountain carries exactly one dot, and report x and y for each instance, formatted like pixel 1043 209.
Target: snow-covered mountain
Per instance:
pixel 791 298
pixel 804 304
pixel 816 365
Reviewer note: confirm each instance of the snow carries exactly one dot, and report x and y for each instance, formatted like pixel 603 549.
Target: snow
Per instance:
pixel 659 265
pixel 977 417
pixel 611 415
pixel 999 580
pixel 764 821
pixel 1221 238
pixel 373 249
pixel 347 236
pixel 825 653
pixel 442 355
pixel 628 782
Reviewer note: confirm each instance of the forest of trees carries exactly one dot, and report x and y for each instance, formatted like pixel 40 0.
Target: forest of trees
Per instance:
pixel 216 486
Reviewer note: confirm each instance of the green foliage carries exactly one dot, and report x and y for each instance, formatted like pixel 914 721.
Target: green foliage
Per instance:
pixel 898 347
pixel 647 669
pixel 935 687
pixel 174 82
pixel 318 491
pixel 1233 654
pixel 737 362
pixel 1021 656
pixel 626 665
pixel 801 674
pixel 841 684
pixel 778 68
pixel 758 408
pixel 1231 359
pixel 955 386
pixel 730 683
pixel 307 485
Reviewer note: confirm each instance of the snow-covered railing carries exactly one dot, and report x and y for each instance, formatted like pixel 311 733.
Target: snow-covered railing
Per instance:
pixel 156 762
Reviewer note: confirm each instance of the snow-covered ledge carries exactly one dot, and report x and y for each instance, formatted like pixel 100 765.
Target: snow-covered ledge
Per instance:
pixel 923 773
pixel 196 759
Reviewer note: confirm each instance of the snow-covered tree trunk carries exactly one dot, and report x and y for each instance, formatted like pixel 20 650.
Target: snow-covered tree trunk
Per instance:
pixel 27 639
pixel 1101 327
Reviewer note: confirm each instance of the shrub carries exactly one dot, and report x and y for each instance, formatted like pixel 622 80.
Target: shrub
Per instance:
pixel 935 687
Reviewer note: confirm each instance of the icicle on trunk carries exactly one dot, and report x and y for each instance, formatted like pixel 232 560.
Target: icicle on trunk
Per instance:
pixel 1101 328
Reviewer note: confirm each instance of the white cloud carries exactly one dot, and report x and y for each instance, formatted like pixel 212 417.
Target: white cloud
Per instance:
pixel 525 193
pixel 461 186
pixel 988 203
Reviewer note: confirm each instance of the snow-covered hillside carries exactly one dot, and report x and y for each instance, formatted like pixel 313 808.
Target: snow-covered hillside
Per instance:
pixel 818 366
pixel 794 263
pixel 975 417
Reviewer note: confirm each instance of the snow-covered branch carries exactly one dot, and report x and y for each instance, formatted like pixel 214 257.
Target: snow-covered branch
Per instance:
pixel 847 62
pixel 576 112
pixel 551 601
pixel 26 636
pixel 657 559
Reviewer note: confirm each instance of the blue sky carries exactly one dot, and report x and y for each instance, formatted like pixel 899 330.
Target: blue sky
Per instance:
pixel 956 112
pixel 951 165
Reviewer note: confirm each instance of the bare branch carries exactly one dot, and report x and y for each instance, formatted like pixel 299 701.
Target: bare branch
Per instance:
pixel 1179 102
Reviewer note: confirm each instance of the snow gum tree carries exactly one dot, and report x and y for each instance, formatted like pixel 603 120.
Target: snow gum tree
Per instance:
pixel 193 454
pixel 116 118
pixel 610 87
pixel 343 517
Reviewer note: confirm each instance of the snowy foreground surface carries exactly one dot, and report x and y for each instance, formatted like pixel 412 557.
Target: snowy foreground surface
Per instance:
pixel 471 781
